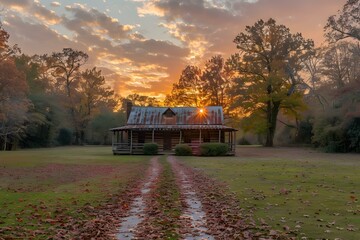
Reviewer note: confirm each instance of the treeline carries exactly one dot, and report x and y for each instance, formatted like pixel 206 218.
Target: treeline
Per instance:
pixel 277 86
pixel 52 100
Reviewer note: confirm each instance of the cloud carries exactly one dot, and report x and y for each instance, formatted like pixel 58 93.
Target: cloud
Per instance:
pixel 32 9
pixel 93 19
pixel 32 37
pixel 55 4
pixel 142 62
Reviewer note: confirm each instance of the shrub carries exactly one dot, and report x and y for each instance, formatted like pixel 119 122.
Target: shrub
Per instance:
pixel 65 136
pixel 353 136
pixel 213 149
pixel 243 141
pixel 183 150
pixel 151 148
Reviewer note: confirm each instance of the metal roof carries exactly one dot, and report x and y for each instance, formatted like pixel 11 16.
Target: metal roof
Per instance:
pixel 173 127
pixel 212 115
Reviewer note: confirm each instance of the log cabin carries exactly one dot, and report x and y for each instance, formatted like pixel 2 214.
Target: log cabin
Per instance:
pixel 169 126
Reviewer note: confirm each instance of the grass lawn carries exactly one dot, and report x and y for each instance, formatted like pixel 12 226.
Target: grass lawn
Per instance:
pixel 313 194
pixel 37 186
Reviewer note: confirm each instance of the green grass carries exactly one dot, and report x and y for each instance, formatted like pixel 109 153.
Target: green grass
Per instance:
pixel 45 183
pixel 314 194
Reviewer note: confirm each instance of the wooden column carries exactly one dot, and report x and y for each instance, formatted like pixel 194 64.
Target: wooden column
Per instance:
pixel 219 136
pixel 122 137
pixel 153 135
pixel 200 137
pixel 112 140
pixel 180 137
pixel 234 141
pixel 131 141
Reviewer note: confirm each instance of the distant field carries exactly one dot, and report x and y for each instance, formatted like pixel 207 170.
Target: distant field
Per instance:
pixel 40 188
pixel 314 194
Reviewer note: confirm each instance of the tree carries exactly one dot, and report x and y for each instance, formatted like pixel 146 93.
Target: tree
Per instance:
pixel 336 128
pixel 341 64
pixel 267 65
pixel 14 103
pixel 141 100
pixel 65 69
pixel 6 51
pixel 13 89
pixel 215 82
pixel 189 90
pixel 346 24
pixel 44 114
pixel 94 95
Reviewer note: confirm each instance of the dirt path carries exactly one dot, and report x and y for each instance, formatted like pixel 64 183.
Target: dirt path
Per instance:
pixel 176 201
pixel 137 208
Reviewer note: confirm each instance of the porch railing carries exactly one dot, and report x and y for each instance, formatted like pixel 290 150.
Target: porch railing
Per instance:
pixel 138 148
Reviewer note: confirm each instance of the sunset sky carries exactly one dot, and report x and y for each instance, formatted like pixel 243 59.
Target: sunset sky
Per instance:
pixel 142 45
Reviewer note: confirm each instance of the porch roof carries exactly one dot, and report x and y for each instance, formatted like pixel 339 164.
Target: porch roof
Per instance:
pixel 173 127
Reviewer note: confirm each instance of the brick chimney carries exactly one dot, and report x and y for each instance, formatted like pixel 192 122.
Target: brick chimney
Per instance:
pixel 128 109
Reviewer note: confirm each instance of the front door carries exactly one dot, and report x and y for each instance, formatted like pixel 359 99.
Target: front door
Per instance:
pixel 167 140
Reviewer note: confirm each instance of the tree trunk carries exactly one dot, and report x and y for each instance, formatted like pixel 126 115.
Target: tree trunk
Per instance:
pixel 77 137
pixel 5 139
pixel 82 137
pixel 272 112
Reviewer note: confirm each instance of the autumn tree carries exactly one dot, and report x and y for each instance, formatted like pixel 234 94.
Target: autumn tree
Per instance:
pixel 44 114
pixel 65 69
pixel 13 93
pixel 337 127
pixel 14 103
pixel 94 95
pixel 189 90
pixel 346 24
pixel 6 50
pixel 341 64
pixel 215 82
pixel 141 100
pixel 267 81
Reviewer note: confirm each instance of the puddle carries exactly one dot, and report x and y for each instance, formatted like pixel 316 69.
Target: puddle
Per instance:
pixel 193 212
pixel 137 208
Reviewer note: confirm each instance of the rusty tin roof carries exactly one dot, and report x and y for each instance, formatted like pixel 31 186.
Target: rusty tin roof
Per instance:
pixel 172 127
pixel 166 118
pixel 181 116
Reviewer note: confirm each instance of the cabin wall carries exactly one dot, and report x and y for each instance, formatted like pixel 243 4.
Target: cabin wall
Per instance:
pixel 167 140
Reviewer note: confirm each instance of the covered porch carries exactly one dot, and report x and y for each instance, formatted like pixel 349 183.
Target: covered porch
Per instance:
pixel 130 139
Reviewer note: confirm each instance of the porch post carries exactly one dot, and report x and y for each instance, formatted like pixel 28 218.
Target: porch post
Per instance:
pixel 219 136
pixel 131 141
pixel 112 140
pixel 200 137
pixel 121 137
pixel 153 135
pixel 180 137
pixel 234 141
